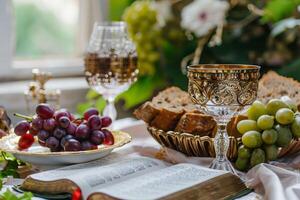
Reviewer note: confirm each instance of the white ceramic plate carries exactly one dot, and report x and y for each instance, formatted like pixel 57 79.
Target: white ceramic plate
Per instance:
pixel 42 157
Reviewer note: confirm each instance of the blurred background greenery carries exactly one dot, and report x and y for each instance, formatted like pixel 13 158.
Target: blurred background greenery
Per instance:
pixel 262 32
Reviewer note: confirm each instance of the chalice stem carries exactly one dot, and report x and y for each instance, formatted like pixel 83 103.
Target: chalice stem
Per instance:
pixel 221 144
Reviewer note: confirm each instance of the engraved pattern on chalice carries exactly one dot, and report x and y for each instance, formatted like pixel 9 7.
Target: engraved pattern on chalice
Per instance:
pixel 223 90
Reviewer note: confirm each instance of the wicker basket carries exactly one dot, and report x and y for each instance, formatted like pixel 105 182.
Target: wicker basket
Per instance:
pixel 195 145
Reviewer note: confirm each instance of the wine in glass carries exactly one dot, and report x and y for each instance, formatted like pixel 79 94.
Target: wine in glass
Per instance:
pixel 110 62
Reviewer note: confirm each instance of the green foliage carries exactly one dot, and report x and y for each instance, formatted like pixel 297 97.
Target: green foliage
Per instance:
pixel 141 91
pixel 116 9
pixel 8 195
pixel 291 70
pixel 93 100
pixel 161 47
pixel 10 169
pixel 11 165
pixel 276 10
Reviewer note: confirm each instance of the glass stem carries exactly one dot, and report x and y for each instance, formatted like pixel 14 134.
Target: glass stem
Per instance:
pixel 110 109
pixel 221 143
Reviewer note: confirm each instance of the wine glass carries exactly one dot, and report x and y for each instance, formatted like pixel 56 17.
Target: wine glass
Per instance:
pixel 110 62
pixel 223 90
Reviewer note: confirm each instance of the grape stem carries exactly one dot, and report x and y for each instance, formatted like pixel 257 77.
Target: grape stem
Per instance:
pixel 28 118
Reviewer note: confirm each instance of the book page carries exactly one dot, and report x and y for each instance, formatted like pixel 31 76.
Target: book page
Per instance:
pixel 161 183
pixel 95 175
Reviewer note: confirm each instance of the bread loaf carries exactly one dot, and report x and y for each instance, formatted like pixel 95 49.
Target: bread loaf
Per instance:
pixel 272 85
pixel 172 109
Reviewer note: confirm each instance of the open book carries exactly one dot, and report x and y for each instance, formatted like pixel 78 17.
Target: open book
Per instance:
pixel 137 178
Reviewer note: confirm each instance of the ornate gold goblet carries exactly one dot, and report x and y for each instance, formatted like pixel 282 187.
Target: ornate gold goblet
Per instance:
pixel 223 90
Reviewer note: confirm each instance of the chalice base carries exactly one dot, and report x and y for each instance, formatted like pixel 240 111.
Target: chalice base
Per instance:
pixel 224 165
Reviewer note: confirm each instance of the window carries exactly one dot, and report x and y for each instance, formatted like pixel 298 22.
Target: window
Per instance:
pixel 51 35
pixel 46 29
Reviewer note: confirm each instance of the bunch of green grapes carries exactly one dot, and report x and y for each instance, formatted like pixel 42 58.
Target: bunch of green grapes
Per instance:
pixel 267 128
pixel 143 29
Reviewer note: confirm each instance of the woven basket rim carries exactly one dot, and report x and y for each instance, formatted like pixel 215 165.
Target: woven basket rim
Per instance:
pixel 186 134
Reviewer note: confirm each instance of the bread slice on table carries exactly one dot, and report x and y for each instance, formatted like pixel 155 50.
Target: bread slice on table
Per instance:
pixel 273 85
pixel 172 109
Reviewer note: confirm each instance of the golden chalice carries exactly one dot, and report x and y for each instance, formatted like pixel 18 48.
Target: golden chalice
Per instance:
pixel 223 90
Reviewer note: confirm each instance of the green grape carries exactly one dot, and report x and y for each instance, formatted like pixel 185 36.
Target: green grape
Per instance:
pixel 265 122
pixel 284 135
pixel 153 56
pixel 284 116
pixel 269 136
pixel 258 156
pixel 252 139
pixel 274 105
pixel 256 110
pixel 246 125
pixel 271 152
pixel 244 152
pixel 143 29
pixel 292 105
pixel 296 127
pixel 242 163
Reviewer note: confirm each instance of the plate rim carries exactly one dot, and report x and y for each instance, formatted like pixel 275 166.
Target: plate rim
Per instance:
pixel 126 139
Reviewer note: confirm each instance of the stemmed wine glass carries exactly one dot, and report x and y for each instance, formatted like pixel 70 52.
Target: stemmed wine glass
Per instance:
pixel 110 62
pixel 223 90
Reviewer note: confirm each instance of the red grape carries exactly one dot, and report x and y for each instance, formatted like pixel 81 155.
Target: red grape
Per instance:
pixel 90 112
pixel 52 143
pixel 71 129
pixel 106 121
pixel 2 133
pixel 64 122
pixel 72 117
pixel 82 132
pixel 72 145
pixel 65 139
pixel 109 138
pixel 59 133
pixel 97 137
pixel 94 122
pixel 49 124
pixel 42 143
pixel 61 113
pixel 87 145
pixel 25 141
pixel 44 111
pixel 22 127
pixel 43 135
pixel 32 130
pixel 37 123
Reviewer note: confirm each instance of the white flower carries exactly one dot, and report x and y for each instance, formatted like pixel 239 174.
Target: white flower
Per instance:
pixel 201 16
pixel 163 8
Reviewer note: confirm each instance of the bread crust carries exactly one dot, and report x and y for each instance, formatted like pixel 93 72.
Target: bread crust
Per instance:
pixel 167 119
pixel 273 85
pixel 196 123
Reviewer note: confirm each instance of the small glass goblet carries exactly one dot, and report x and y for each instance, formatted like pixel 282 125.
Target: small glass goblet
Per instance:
pixel 223 90
pixel 110 62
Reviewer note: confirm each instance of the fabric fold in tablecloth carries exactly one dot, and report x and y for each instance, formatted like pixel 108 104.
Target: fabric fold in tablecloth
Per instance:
pixel 270 181
pixel 274 183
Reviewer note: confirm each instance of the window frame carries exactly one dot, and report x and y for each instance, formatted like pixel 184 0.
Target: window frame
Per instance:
pixel 20 69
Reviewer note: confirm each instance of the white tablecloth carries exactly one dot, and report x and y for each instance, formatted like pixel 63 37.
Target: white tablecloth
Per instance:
pixel 269 181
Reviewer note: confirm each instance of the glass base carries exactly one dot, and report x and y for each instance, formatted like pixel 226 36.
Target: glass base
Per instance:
pixel 224 165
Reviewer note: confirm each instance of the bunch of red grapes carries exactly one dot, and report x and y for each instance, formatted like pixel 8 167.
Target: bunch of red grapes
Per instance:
pixel 60 131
